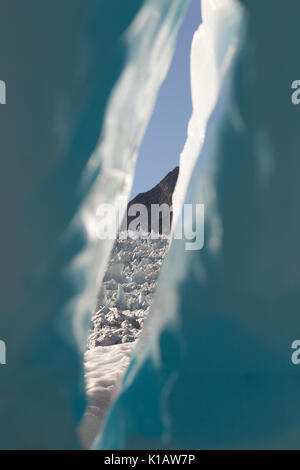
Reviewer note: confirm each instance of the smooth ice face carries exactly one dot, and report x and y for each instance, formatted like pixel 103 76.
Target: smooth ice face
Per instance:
pixel 82 82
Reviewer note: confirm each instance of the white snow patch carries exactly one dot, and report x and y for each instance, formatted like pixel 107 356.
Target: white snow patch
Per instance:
pixel 104 370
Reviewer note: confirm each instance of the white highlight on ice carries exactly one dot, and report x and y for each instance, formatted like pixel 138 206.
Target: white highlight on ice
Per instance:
pixel 213 47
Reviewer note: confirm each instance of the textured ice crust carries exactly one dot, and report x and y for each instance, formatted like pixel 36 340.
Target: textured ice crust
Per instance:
pixel 127 289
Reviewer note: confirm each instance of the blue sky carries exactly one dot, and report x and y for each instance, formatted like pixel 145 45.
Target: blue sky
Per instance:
pixel 166 133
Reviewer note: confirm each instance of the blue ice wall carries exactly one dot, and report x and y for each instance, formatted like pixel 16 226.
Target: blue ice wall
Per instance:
pixel 217 373
pixel 72 70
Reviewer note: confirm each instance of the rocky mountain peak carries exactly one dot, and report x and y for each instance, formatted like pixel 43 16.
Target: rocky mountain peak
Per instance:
pixel 160 194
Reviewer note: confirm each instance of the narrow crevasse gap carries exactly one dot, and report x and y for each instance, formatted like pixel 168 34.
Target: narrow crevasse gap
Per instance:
pixel 154 30
pixel 149 376
pixel 130 281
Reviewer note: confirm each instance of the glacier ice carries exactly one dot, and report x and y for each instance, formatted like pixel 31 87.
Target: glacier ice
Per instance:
pixel 121 301
pixel 216 370
pixel 82 79
pixel 213 48
pixel 212 368
pixel 117 328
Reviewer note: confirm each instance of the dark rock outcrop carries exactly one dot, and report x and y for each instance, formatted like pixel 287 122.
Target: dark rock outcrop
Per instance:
pixel 161 194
